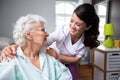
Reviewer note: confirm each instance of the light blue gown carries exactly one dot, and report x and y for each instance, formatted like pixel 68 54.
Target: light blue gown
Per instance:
pixel 21 68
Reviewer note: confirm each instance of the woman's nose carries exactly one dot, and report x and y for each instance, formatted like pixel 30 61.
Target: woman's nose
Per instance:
pixel 73 25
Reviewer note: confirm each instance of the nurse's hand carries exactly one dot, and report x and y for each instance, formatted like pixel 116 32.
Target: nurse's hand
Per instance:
pixel 9 51
pixel 52 52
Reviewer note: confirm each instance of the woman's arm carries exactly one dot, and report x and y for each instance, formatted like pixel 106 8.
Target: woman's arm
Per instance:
pixel 68 59
pixel 63 58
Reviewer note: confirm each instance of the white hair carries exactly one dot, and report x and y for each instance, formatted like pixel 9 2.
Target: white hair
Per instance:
pixel 22 25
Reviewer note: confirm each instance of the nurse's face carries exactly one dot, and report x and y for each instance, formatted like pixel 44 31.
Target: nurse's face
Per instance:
pixel 77 26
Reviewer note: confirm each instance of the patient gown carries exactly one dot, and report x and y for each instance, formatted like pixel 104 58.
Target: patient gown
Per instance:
pixel 21 68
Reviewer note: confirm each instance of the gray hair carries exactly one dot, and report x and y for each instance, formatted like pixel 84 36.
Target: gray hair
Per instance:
pixel 22 25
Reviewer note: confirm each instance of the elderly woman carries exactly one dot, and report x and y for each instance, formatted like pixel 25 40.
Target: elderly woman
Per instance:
pixel 31 62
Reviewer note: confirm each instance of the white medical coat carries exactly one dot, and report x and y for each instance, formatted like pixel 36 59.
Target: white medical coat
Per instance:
pixel 61 40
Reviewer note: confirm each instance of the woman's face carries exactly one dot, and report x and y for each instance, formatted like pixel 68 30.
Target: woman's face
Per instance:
pixel 77 26
pixel 38 34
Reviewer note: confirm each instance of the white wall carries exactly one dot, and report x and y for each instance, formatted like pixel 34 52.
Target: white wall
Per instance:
pixel 11 10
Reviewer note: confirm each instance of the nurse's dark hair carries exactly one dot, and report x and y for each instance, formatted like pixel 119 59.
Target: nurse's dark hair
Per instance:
pixel 86 12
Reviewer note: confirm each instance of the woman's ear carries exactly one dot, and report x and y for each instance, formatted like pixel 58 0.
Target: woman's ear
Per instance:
pixel 28 35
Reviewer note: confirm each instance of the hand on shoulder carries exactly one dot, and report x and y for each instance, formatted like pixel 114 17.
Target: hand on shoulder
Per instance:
pixel 9 51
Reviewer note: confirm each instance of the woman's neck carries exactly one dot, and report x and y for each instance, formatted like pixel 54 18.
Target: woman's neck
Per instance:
pixel 32 53
pixel 74 39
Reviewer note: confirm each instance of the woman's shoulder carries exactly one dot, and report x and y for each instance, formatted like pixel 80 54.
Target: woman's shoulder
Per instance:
pixel 47 57
pixel 10 63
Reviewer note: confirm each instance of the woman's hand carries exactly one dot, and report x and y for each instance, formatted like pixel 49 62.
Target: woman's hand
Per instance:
pixel 9 51
pixel 52 52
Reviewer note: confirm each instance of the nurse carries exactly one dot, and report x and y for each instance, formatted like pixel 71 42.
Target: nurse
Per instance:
pixel 74 40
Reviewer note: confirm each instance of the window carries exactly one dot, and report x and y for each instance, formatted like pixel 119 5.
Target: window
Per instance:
pixel 64 10
pixel 101 11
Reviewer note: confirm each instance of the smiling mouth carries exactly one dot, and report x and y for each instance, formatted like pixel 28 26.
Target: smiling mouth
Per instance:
pixel 72 30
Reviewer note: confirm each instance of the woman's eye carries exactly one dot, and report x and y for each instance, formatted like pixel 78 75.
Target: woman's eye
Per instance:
pixel 43 30
pixel 78 24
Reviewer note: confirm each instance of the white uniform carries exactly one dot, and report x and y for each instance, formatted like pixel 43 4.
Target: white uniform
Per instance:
pixel 63 44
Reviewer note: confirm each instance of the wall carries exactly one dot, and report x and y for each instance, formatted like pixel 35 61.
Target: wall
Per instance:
pixel 11 10
pixel 114 15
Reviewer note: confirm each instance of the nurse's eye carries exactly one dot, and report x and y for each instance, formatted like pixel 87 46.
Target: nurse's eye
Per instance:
pixel 77 24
